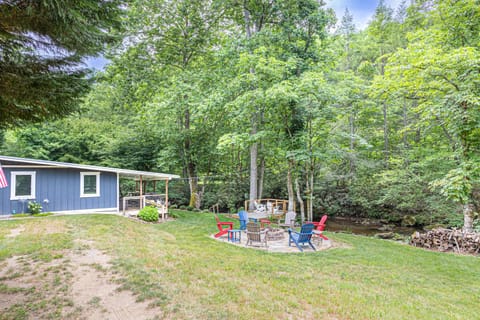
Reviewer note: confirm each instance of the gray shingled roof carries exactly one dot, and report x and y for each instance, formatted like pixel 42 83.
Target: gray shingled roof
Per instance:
pixel 146 175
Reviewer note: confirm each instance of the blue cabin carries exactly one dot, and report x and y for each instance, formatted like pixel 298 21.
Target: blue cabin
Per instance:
pixel 65 187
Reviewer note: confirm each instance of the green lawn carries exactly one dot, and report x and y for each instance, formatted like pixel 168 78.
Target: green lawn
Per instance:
pixel 180 268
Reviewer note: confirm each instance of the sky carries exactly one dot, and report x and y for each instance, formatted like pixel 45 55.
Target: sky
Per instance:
pixel 97 63
pixel 362 11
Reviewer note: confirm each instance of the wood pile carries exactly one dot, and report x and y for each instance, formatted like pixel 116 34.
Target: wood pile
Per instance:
pixel 448 240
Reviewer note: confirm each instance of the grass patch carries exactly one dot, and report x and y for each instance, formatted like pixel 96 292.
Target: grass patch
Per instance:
pixel 29 215
pixel 177 266
pixel 10 290
pixel 94 302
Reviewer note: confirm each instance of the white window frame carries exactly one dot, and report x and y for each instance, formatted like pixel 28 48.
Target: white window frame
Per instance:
pixel 82 180
pixel 14 174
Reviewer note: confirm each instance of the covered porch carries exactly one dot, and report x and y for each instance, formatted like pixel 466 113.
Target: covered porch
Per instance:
pixel 150 189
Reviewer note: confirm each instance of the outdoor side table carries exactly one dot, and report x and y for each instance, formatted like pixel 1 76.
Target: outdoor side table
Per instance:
pixel 234 235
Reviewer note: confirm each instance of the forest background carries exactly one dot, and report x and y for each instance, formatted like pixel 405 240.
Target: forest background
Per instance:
pixel 279 99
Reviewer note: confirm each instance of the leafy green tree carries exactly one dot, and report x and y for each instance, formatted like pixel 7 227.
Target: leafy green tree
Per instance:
pixel 282 40
pixel 440 69
pixel 42 46
pixel 359 123
pixel 173 42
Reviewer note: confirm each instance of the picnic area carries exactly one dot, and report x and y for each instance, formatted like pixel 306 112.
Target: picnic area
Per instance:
pixel 55 267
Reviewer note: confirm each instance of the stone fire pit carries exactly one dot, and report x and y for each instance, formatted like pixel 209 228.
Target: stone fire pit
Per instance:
pixel 275 234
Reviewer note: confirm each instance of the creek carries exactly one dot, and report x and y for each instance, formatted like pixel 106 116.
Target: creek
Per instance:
pixel 367 227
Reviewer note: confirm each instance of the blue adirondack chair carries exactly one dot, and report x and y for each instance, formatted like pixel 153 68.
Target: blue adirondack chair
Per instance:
pixel 243 217
pixel 303 237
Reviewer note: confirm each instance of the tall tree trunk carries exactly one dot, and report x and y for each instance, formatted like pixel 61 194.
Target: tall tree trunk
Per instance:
pixel 248 22
pixel 309 193
pixel 468 215
pixel 351 122
pixel 201 192
pixel 291 195
pixel 193 183
pixel 416 115
pixel 385 134
pixel 262 161
pixel 253 166
pixel 300 200
pixel 254 120
pixel 386 146
pixel 261 177
pixel 310 209
pixel 191 167
pixel 310 172
pixel 406 145
pixel 405 125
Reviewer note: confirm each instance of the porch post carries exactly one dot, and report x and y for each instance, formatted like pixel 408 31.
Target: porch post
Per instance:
pixel 166 196
pixel 141 192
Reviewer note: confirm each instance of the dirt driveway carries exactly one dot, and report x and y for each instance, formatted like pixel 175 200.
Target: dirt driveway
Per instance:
pixel 76 284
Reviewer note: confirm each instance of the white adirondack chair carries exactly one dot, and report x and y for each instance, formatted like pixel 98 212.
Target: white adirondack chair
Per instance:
pixel 162 210
pixel 260 208
pixel 289 220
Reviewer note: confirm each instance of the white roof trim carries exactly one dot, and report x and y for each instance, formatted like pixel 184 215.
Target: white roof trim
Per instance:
pixel 123 172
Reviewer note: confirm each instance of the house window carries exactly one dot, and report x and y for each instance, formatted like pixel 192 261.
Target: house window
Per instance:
pixel 89 184
pixel 23 185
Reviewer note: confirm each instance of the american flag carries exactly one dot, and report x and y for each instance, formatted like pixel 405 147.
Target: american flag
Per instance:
pixel 3 179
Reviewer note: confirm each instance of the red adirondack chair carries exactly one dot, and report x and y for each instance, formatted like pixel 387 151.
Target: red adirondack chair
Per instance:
pixel 320 226
pixel 223 227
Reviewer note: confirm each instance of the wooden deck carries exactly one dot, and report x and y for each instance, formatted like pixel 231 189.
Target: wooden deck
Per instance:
pixel 268 207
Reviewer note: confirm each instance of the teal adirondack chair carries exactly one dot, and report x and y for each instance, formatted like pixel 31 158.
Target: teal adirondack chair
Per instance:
pixel 303 237
pixel 243 217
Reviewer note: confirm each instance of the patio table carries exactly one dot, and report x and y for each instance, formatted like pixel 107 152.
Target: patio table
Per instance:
pixel 234 235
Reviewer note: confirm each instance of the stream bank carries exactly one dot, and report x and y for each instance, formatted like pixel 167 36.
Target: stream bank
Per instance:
pixel 368 227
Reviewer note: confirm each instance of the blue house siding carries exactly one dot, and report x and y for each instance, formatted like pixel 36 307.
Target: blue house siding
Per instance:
pixel 61 186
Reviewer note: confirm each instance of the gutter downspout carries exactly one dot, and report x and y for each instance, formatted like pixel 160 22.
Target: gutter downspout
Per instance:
pixel 118 192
